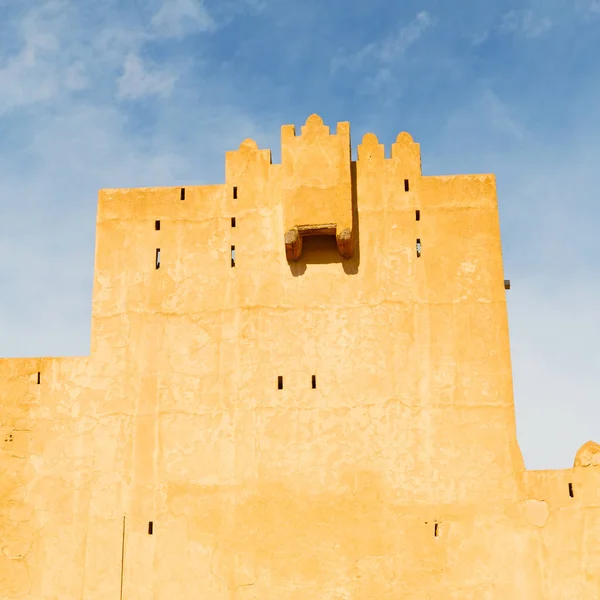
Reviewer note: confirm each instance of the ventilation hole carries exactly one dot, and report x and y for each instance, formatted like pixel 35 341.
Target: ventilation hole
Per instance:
pixel 507 284
pixel 418 215
pixel 235 192
pixel 182 194
pixel 233 256
pixel 150 527
pixel 571 490
pixel 435 530
pixel 406 185
pixel 157 225
pixel 314 382
pixel 280 382
pixel 157 258
pixel 39 377
pixel 233 221
pixel 418 247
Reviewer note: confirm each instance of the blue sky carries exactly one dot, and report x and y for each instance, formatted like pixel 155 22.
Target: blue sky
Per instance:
pixel 131 93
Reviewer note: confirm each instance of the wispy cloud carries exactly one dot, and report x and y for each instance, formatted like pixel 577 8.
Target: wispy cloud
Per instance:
pixel 486 113
pixel 480 37
pixel 139 79
pixel 75 78
pixel 520 23
pixel 396 45
pixel 32 72
pixel 257 5
pixel 391 48
pixel 501 117
pixel 524 23
pixel 52 58
pixel 177 18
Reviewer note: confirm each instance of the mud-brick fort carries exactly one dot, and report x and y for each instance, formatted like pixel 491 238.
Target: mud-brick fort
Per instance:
pixel 299 387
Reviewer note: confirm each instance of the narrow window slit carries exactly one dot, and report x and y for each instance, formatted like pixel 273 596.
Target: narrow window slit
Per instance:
pixel 39 378
pixel 314 382
pixel 235 192
pixel 435 530
pixel 233 256
pixel 418 215
pixel 418 247
pixel 280 382
pixel 406 185
pixel 182 194
pixel 150 527
pixel 571 490
pixel 157 225
pixel 233 221
pixel 157 264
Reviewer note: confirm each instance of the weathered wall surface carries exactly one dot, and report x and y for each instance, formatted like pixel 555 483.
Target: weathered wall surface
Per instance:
pixel 397 476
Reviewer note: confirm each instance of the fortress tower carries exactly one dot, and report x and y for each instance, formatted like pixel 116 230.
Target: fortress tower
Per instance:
pixel 299 387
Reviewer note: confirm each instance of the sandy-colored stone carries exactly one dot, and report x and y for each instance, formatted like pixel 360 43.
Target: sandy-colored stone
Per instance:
pixel 588 455
pixel 386 466
pixel 537 512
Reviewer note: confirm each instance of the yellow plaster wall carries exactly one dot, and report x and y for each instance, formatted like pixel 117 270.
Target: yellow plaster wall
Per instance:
pixel 399 476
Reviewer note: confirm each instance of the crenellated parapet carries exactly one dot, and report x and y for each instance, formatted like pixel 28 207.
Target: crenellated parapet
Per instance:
pixel 316 185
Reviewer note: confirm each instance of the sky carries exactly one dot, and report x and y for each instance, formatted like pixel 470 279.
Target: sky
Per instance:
pixel 143 93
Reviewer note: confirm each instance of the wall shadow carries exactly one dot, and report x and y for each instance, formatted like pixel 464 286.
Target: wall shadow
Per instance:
pixel 322 249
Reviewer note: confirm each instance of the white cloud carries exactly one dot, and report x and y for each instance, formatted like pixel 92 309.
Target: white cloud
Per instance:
pixel 257 5
pixel 75 78
pixel 30 74
pixel 501 117
pixel 391 48
pixel 480 38
pixel 54 57
pixel 178 18
pixel 396 45
pixel 140 80
pixel 484 111
pixel 524 23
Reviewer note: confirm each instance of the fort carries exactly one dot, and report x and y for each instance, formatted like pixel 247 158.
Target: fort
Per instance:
pixel 299 387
